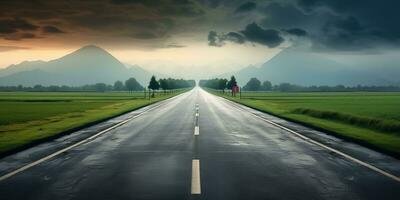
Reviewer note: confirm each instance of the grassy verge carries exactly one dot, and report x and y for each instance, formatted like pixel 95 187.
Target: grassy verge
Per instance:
pixel 29 118
pixel 370 119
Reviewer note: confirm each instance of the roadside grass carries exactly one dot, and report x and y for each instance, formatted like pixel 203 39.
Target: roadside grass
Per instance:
pixel 369 118
pixel 23 121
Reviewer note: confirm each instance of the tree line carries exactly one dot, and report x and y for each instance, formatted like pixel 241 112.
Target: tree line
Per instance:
pixel 219 83
pixel 129 85
pixel 170 83
pixel 255 85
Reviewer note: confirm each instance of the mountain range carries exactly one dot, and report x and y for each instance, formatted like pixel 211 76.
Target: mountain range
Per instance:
pixel 305 68
pixel 87 65
pixel 92 64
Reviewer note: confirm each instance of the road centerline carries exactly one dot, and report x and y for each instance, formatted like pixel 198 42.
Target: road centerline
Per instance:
pixel 196 125
pixel 196 184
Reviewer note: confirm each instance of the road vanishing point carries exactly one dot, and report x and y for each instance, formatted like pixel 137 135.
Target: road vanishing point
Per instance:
pixel 198 146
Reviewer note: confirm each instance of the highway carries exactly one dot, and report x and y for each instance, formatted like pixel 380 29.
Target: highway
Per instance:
pixel 198 146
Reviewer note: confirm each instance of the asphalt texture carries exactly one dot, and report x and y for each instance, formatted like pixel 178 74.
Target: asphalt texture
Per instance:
pixel 239 157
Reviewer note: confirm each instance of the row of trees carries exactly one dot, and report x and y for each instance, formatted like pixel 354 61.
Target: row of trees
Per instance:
pixel 98 87
pixel 255 85
pixel 170 83
pixel 129 85
pixel 219 83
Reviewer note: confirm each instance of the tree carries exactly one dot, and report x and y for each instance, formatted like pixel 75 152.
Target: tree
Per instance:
pixel 267 86
pixel 100 87
pixel 154 85
pixel 118 86
pixel 253 85
pixel 231 83
pixel 163 84
pixel 132 85
pixel 222 84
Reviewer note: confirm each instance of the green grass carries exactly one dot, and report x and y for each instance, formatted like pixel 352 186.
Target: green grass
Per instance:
pixel 27 117
pixel 371 118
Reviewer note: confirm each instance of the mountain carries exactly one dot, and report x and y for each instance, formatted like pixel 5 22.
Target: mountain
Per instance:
pixel 305 68
pixel 24 66
pixel 88 65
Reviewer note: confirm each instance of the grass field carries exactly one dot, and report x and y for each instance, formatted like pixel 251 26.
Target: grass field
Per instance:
pixel 371 118
pixel 26 117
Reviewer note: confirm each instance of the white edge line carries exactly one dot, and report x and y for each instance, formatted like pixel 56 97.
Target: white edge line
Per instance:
pixel 32 164
pixel 369 166
pixel 196 187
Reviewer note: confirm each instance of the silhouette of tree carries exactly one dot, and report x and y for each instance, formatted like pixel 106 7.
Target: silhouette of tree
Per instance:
pixel 132 85
pixel 231 83
pixel 253 85
pixel 153 85
pixel 118 86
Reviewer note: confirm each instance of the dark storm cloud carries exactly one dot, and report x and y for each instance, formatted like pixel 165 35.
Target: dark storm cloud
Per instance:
pixel 51 29
pixel 326 24
pixel 211 3
pixel 15 25
pixel 136 19
pixel 143 2
pixel 246 7
pixel 338 24
pixel 214 39
pixel 252 33
pixel 268 37
pixel 296 31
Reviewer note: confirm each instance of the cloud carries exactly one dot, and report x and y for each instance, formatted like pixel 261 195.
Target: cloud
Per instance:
pixel 268 37
pixel 51 29
pixel 145 36
pixel 14 25
pixel 173 46
pixel 11 48
pixel 246 7
pixel 252 33
pixel 214 39
pixel 296 31
pixel 20 36
pixel 356 24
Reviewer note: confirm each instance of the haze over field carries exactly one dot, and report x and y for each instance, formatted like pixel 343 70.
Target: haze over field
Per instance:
pixel 306 42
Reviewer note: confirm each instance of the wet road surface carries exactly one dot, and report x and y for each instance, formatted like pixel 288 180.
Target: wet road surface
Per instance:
pixel 199 146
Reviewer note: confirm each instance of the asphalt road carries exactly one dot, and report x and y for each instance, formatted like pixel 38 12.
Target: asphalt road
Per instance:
pixel 220 153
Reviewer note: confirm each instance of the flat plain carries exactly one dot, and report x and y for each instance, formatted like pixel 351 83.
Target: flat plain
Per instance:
pixel 372 118
pixel 26 117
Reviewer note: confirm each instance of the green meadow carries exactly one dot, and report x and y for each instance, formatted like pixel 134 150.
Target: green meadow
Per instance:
pixel 27 117
pixel 370 118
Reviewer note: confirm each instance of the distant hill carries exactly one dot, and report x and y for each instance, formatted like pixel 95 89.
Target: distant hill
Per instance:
pixel 88 65
pixel 304 68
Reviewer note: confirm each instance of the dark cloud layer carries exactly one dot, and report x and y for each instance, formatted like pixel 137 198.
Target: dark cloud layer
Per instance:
pixel 246 7
pixel 296 31
pixel 252 33
pixel 338 25
pixel 136 19
pixel 51 29
pixel 15 25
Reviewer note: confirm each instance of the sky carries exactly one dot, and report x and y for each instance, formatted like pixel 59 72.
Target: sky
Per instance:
pixel 199 36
